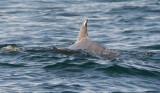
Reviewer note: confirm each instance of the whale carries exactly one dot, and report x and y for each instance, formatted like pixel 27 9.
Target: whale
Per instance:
pixel 83 42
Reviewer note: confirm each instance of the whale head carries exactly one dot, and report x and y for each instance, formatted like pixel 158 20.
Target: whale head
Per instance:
pixel 83 31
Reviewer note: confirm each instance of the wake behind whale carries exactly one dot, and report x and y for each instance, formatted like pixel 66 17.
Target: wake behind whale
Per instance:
pixel 84 43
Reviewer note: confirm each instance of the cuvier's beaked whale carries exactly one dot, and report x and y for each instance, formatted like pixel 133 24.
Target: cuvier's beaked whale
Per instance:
pixel 84 43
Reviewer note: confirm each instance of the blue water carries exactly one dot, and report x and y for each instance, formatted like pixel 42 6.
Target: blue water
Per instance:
pixel 35 33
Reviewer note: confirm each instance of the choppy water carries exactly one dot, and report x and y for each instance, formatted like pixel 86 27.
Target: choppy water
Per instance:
pixel 33 32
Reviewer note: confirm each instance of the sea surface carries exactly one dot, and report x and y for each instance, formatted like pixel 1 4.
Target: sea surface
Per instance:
pixel 34 35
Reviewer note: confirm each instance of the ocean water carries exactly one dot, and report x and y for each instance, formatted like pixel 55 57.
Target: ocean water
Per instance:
pixel 35 33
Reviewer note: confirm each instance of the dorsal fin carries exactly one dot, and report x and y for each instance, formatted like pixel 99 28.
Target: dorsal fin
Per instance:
pixel 83 31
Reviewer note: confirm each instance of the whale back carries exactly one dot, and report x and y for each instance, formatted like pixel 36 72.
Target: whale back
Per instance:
pixel 84 43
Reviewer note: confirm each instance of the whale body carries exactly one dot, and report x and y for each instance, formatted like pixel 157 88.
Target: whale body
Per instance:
pixel 84 43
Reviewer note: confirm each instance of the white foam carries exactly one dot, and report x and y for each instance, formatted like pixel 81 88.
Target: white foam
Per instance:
pixel 10 48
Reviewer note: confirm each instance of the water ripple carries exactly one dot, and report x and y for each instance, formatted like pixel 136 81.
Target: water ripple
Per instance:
pixel 34 35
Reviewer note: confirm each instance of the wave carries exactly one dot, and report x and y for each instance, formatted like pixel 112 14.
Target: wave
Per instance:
pixel 53 52
pixel 111 0
pixel 12 65
pixel 118 70
pixel 68 64
pixel 152 47
pixel 68 14
pixel 78 53
pixel 79 61
pixel 128 8
pixel 134 8
pixel 109 69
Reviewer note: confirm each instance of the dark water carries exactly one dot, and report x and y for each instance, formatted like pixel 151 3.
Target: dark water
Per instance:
pixel 33 32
